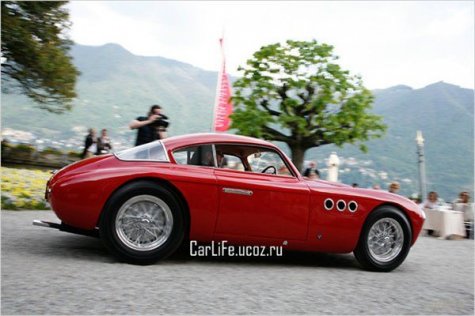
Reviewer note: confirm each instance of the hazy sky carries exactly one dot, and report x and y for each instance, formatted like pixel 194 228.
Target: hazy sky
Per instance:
pixel 386 42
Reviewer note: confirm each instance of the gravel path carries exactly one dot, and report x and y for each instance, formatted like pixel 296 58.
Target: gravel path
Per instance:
pixel 45 271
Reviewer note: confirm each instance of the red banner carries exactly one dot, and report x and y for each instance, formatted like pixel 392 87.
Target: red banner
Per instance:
pixel 223 107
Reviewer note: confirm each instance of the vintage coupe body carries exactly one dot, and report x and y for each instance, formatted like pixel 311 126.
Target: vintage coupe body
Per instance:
pixel 144 202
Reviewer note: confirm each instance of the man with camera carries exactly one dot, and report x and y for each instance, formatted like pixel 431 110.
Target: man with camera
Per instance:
pixel 150 127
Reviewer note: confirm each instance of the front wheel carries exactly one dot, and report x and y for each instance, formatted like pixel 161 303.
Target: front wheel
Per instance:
pixel 142 223
pixel 385 240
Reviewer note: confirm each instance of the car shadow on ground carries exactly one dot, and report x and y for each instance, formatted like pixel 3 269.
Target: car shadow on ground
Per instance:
pixel 92 249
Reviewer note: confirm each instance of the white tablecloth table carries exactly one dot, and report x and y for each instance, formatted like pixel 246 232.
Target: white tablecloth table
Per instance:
pixel 444 222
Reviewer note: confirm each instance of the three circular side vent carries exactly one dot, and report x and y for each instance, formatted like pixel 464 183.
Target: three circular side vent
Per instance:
pixel 341 205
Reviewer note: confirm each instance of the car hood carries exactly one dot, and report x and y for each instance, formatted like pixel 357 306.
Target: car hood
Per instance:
pixel 324 183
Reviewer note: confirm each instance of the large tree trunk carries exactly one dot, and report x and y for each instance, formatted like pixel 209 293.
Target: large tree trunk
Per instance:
pixel 297 156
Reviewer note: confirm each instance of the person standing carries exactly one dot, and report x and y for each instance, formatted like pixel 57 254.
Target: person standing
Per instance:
pixel 464 198
pixel 150 127
pixel 394 187
pixel 90 146
pixel 432 201
pixel 312 171
pixel 104 145
pixel 462 204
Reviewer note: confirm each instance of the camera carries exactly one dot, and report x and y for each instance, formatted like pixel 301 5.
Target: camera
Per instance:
pixel 160 122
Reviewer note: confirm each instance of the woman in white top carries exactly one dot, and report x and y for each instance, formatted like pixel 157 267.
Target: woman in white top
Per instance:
pixel 463 204
pixel 432 201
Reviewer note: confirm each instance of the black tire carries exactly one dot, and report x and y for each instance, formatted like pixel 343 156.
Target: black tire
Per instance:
pixel 158 202
pixel 399 225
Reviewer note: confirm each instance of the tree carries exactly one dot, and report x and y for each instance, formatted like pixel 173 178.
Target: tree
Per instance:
pixel 35 53
pixel 295 93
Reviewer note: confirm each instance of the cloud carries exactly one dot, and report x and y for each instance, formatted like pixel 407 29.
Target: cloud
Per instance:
pixel 387 43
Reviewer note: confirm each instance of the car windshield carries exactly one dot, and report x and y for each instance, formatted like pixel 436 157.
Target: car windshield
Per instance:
pixel 149 152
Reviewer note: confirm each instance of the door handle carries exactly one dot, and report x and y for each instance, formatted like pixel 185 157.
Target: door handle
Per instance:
pixel 237 191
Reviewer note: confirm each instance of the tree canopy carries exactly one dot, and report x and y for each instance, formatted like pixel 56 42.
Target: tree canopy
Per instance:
pixel 35 53
pixel 297 94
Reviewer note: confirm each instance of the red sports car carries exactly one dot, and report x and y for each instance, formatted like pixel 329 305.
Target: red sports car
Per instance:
pixel 145 201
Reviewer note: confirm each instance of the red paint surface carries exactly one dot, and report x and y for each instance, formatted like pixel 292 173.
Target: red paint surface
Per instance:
pixel 280 208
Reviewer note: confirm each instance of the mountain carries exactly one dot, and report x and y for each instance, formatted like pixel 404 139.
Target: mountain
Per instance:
pixel 116 86
pixel 445 115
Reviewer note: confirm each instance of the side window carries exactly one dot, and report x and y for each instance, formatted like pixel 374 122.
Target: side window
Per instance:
pixel 250 158
pixel 182 156
pixel 268 162
pixel 231 162
pixel 195 155
pixel 151 151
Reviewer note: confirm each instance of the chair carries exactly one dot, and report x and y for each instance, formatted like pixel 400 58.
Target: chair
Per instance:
pixel 469 229
pixel 467 209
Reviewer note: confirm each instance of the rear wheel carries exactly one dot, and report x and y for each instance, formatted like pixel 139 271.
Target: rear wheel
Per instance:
pixel 142 223
pixel 384 241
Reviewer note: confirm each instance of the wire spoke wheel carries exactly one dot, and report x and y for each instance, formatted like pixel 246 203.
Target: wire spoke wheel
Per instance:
pixel 144 223
pixel 385 239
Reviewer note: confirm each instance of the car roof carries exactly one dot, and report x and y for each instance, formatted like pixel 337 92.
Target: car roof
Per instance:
pixel 174 142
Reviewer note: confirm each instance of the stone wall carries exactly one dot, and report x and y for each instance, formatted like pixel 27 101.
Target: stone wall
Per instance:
pixel 25 154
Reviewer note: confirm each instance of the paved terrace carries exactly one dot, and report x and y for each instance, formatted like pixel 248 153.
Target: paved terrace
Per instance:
pixel 45 271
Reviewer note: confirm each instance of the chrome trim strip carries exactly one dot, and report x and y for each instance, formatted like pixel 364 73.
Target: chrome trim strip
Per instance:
pixel 67 228
pixel 215 159
pixel 166 151
pixel 237 191
pixel 37 222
